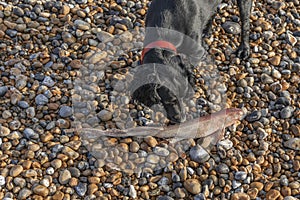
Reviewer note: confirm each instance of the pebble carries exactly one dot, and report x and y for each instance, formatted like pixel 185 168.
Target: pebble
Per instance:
pixel 2 180
pixel 48 81
pixel 286 112
pixel 222 168
pixel 16 170
pixel 293 143
pixel 4 131
pixel 24 193
pixel 240 175
pixel 65 111
pixel 105 115
pixel 232 28
pixel 81 189
pixel 272 194
pixel 132 192
pixel 41 190
pixel 49 47
pixel 41 99
pixel 192 185
pixel 64 176
pixel 3 90
pixel 240 196
pixel 253 116
pixel 198 154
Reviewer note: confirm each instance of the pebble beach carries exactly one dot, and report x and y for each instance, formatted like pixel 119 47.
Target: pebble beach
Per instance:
pixel 65 62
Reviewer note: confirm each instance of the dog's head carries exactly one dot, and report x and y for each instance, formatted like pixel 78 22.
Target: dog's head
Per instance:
pixel 167 78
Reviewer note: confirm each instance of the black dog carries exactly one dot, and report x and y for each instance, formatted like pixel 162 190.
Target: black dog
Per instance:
pixel 178 27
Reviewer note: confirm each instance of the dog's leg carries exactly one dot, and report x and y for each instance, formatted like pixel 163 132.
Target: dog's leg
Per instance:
pixel 173 106
pixel 245 10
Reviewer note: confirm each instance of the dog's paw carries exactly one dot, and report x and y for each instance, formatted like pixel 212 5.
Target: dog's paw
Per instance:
pixel 243 51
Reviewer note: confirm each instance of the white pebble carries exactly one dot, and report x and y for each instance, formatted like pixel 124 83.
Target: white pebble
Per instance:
pixel 2 180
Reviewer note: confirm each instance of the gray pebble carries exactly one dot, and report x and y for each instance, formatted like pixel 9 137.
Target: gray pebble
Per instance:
pixel 198 154
pixel 286 112
pixel 65 111
pixel 161 151
pixel 254 116
pixel 232 28
pixel 240 175
pixel 3 90
pixel 48 81
pixel 23 104
pixel 164 198
pixel 41 99
pixel 18 11
pixel 30 134
pixel 81 189
pixel 105 115
pixel 222 168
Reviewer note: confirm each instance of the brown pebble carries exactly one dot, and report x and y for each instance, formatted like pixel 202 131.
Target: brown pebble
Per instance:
pixel 286 191
pixel 257 185
pixel 65 9
pixel 275 60
pixel 92 188
pixel 64 176
pixel 268 186
pixel 58 195
pixel 41 190
pixel 192 185
pixel 16 170
pixel 272 194
pixel 151 141
pixel 240 196
pixel 295 130
pixel 252 192
pixel 76 64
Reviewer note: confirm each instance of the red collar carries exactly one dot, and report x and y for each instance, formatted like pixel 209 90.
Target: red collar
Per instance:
pixel 158 44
